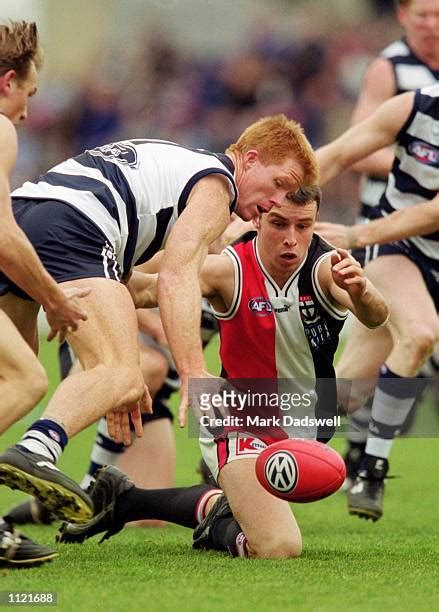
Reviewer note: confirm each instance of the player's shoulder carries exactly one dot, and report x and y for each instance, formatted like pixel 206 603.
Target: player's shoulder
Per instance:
pixel 7 128
pixel 8 142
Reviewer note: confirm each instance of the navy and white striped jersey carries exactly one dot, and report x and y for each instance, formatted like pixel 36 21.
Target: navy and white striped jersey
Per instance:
pixel 415 173
pixel 133 190
pixel 410 74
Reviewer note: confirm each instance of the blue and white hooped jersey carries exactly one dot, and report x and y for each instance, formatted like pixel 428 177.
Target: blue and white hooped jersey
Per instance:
pixel 410 74
pixel 415 173
pixel 133 190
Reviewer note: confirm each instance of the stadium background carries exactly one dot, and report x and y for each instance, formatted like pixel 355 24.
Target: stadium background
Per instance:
pixel 197 71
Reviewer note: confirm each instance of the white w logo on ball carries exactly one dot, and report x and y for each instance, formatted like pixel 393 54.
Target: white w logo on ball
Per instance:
pixel 281 471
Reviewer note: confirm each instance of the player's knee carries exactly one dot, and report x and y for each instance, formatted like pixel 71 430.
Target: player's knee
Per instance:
pixel 277 547
pixel 154 370
pixel 420 344
pixel 133 387
pixel 34 385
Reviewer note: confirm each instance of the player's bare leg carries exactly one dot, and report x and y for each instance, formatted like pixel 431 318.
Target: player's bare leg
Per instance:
pixel 414 327
pixel 23 381
pixel 150 460
pixel 268 523
pixel 106 345
pixel 357 373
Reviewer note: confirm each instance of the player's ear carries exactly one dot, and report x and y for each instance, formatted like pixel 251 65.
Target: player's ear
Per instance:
pixel 6 82
pixel 257 221
pixel 250 158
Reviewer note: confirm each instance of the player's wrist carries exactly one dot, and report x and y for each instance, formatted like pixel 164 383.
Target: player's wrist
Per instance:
pixel 352 237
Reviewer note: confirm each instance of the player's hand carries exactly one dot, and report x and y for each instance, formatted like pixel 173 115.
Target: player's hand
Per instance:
pixel 334 233
pixel 118 421
pixel 186 401
pixel 65 314
pixel 348 274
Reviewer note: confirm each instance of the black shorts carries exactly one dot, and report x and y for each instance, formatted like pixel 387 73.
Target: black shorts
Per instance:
pixel 428 267
pixel 69 244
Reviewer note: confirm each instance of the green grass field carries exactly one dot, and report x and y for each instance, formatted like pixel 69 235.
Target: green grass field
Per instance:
pixel 347 564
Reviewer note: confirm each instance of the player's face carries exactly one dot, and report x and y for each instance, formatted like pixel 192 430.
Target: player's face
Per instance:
pixel 420 20
pixel 15 104
pixel 263 187
pixel 284 236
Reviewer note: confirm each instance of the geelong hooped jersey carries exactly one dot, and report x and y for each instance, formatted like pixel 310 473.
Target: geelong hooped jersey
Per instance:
pixel 132 190
pixel 288 333
pixel 410 73
pixel 415 173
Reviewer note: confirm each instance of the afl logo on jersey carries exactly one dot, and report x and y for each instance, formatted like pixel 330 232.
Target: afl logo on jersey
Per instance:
pixel 424 153
pixel 260 306
pixel 120 152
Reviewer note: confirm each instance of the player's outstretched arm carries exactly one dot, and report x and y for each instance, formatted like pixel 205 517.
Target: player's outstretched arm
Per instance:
pixel 342 278
pixel 378 86
pixel 372 134
pixel 203 220
pixel 417 220
pixel 20 262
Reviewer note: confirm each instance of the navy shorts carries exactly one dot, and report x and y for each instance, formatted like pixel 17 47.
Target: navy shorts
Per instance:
pixel 428 267
pixel 69 244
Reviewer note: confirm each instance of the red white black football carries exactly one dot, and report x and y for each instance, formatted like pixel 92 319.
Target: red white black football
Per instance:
pixel 300 470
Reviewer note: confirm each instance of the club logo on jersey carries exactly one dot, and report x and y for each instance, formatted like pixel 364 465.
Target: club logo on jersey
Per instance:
pixel 281 471
pixel 260 306
pixel 122 153
pixel 308 310
pixel 424 153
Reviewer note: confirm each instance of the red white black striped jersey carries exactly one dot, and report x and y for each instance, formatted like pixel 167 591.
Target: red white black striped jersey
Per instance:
pixel 132 190
pixel 289 333
pixel 410 73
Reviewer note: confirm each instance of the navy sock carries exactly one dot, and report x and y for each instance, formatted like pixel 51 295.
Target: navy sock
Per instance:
pixel 227 535
pixel 176 505
pixel 45 437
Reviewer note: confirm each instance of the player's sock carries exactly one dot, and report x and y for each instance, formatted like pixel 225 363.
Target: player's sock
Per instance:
pixel 184 506
pixel 45 437
pixel 359 425
pixel 226 534
pixel 104 452
pixel 394 397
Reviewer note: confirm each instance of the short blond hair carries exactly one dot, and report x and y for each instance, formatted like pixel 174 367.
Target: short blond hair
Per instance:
pixel 276 139
pixel 19 48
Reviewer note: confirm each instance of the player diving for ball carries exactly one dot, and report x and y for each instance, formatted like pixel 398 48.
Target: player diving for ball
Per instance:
pixel 280 265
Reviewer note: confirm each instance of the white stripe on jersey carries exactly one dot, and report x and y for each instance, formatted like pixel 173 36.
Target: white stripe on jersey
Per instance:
pixel 394 49
pixel 413 77
pixel 423 127
pixel 237 290
pixel 80 200
pixel 425 175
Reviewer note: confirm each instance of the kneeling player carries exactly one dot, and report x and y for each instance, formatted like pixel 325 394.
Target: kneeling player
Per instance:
pixel 291 270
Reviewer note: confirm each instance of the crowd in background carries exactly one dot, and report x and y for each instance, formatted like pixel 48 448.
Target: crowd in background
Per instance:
pixel 163 91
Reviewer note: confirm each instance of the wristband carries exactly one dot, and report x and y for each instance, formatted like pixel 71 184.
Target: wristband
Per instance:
pixel 386 320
